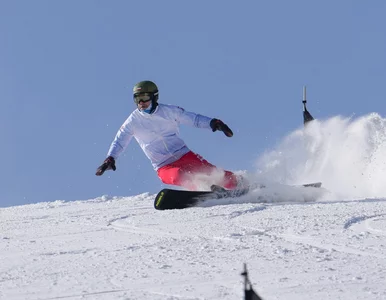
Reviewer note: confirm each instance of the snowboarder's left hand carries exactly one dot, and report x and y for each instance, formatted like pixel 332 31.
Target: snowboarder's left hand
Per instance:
pixel 216 124
pixel 108 164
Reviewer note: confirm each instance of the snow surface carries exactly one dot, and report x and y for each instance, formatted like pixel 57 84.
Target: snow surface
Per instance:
pixel 300 243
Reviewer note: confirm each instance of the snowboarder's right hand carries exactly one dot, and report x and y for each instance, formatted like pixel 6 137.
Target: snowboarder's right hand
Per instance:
pixel 108 164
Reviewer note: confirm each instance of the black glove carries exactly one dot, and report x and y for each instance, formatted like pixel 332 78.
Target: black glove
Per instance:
pixel 108 164
pixel 216 124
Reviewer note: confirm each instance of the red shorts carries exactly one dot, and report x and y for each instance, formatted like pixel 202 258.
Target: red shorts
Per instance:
pixel 191 168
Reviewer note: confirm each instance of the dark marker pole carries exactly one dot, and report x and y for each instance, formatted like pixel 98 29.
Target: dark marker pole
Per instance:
pixel 306 114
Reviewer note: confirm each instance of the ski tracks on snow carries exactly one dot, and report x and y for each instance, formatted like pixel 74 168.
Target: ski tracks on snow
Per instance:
pixel 115 247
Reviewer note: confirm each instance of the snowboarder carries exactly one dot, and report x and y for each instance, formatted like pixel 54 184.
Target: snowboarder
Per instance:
pixel 155 126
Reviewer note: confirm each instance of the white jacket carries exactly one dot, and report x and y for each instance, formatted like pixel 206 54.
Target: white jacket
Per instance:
pixel 157 133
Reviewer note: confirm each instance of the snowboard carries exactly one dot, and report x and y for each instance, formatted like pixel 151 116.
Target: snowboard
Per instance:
pixel 179 199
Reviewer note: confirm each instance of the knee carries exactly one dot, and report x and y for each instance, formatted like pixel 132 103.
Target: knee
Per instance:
pixel 230 180
pixel 176 177
pixel 172 176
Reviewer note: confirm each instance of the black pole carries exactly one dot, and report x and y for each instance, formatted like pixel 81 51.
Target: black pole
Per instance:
pixel 307 117
pixel 249 293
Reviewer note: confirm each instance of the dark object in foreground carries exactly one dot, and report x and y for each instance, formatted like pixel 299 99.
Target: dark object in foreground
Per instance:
pixel 249 293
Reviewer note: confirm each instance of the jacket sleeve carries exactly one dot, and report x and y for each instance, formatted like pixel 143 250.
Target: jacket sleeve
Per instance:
pixel 121 140
pixel 192 119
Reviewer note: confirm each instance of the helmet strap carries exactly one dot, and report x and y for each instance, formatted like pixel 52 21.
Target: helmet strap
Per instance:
pixel 154 103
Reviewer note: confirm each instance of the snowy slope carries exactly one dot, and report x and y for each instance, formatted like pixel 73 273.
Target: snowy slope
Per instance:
pixel 124 249
pixel 325 244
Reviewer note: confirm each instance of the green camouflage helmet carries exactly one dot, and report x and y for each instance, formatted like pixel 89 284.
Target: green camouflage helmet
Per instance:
pixel 145 87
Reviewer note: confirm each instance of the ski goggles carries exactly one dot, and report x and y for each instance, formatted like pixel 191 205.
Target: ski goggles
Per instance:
pixel 144 97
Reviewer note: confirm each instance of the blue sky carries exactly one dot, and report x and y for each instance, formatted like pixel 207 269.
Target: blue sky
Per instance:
pixel 67 69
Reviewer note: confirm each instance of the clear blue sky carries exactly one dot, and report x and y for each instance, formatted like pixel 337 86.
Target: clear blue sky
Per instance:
pixel 67 69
